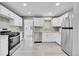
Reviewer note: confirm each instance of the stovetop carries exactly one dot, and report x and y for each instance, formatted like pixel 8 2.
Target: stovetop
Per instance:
pixel 11 34
pixel 6 32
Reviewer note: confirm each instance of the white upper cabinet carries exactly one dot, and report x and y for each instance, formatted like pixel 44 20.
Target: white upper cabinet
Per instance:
pixel 4 11
pixel 17 21
pixel 20 21
pixel 14 19
pixel 56 22
pixel 38 22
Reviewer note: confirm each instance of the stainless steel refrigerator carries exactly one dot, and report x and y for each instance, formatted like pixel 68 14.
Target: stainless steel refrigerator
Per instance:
pixel 66 35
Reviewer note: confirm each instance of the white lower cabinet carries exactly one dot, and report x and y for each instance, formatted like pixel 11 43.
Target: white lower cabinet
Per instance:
pixel 3 45
pixel 51 37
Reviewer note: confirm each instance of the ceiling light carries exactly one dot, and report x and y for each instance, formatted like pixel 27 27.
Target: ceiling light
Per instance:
pixel 58 3
pixel 24 4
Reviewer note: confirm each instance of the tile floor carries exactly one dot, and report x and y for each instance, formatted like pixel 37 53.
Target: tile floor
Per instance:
pixel 40 49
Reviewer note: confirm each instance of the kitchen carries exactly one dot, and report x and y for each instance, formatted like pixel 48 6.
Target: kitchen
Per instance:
pixel 37 29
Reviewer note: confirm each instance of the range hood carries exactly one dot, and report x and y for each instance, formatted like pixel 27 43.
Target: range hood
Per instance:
pixel 47 24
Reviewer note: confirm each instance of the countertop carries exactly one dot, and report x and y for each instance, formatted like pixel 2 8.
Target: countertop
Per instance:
pixel 4 32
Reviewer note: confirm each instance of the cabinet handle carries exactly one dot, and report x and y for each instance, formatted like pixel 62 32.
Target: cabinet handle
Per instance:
pixel 67 27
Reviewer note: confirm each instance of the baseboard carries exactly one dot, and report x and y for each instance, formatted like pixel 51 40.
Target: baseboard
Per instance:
pixel 65 52
pixel 48 42
pixel 57 43
pixel 7 55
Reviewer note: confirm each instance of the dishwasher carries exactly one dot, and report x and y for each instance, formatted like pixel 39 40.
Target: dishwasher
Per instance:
pixel 37 37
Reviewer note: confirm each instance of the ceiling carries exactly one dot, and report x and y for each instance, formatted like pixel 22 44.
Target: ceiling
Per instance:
pixel 38 8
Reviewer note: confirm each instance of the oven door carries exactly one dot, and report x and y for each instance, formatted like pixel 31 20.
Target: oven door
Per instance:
pixel 13 41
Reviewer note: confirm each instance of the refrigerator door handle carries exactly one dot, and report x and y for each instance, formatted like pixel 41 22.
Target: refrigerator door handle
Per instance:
pixel 67 27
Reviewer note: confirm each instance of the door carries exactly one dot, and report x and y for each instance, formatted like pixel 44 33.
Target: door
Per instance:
pixel 28 33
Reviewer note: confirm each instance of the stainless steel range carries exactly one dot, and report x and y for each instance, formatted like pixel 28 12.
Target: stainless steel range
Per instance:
pixel 14 40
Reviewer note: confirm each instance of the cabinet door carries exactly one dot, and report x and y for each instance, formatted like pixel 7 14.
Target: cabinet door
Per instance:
pixel 16 21
pixel 56 22
pixel 38 22
pixel 20 21
pixel 41 22
pixel 48 37
pixel 4 45
pixel 3 10
pixel 51 37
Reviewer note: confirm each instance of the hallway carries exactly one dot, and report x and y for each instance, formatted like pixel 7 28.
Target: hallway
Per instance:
pixel 40 49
